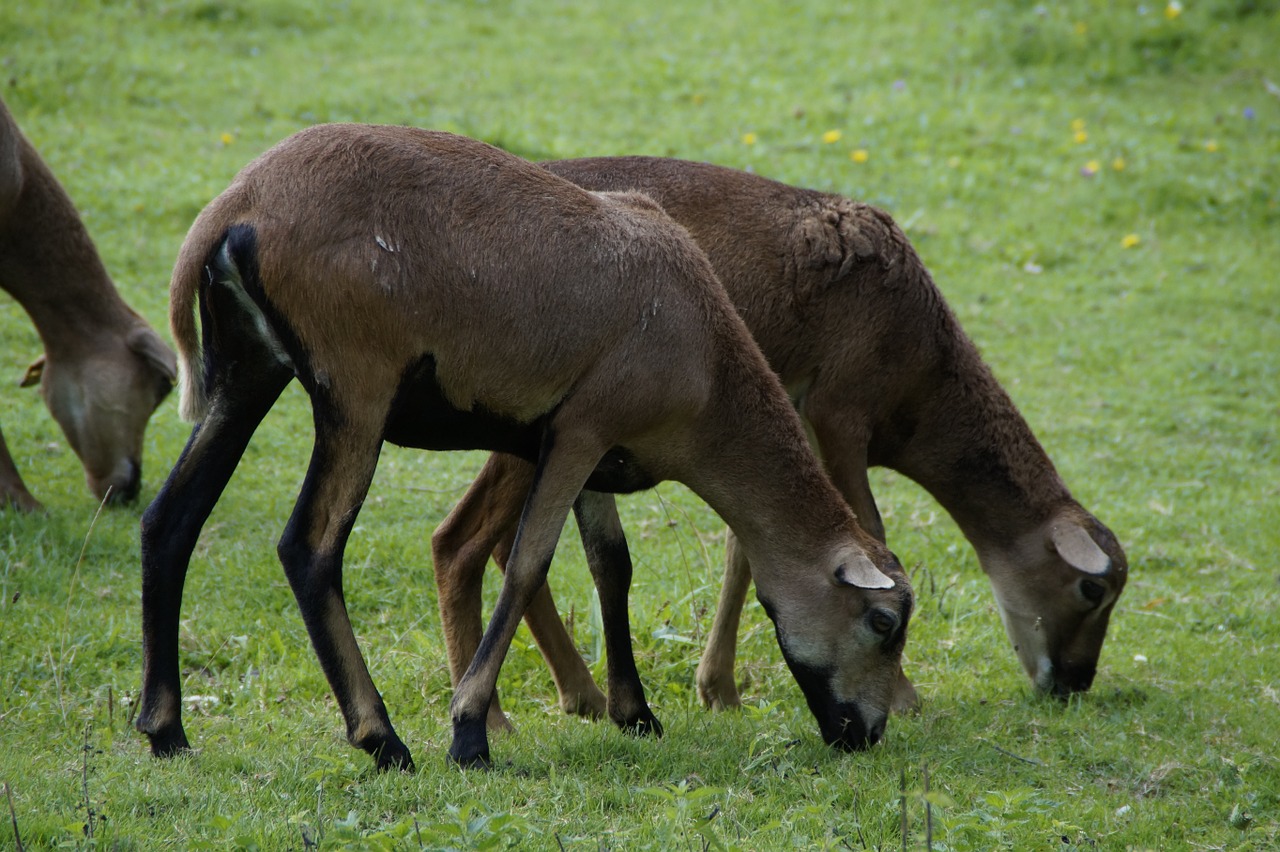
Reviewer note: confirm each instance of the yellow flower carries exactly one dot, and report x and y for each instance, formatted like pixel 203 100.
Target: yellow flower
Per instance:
pixel 831 136
pixel 1173 10
pixel 1093 166
pixel 1118 164
pixel 226 138
pixel 1129 241
pixel 859 155
pixel 748 139
pixel 1081 137
pixel 1077 124
pixel 1211 145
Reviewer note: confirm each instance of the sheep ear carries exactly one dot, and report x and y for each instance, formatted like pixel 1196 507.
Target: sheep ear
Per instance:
pixel 859 571
pixel 1078 549
pixel 33 374
pixel 147 344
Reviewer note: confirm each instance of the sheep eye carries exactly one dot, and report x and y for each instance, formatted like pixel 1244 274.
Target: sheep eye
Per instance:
pixel 1092 591
pixel 882 621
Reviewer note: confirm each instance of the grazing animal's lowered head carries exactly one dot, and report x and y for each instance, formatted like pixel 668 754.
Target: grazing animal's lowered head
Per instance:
pixel 104 370
pixel 847 668
pixel 102 397
pixel 1056 587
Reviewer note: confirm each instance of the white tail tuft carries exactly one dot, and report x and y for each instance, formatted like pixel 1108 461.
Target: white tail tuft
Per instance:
pixel 193 402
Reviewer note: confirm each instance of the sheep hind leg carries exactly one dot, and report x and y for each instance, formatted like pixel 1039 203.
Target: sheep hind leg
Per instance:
pixel 716 686
pixel 610 563
pixel 170 528
pixel 311 549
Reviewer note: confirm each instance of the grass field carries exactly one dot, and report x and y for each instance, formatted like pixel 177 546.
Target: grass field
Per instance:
pixel 1096 188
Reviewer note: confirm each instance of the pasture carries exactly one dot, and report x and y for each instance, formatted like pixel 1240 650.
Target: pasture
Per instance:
pixel 1096 189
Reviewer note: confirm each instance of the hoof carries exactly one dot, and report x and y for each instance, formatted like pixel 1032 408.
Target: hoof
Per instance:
pixel 644 725
pixel 587 704
pixel 717 695
pixel 167 743
pixel 470 747
pixel 19 499
pixel 479 761
pixel 394 757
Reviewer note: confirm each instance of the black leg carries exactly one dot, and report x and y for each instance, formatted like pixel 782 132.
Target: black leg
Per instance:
pixel 170 527
pixel 342 466
pixel 610 563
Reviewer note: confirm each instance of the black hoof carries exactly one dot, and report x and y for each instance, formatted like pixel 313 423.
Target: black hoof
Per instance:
pixel 394 757
pixel 470 747
pixel 644 725
pixel 473 761
pixel 169 742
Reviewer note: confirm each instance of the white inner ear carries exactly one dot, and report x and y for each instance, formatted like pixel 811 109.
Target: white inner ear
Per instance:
pixel 1079 550
pixel 858 570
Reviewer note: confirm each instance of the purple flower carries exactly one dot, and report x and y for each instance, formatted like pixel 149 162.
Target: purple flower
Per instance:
pixel 1248 113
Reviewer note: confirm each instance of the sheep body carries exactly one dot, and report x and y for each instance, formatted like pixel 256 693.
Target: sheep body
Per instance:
pixel 436 292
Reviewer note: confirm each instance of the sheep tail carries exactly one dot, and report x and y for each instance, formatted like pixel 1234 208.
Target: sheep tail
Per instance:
pixel 193 264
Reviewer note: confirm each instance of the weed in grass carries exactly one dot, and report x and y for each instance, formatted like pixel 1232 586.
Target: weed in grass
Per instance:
pixel 13 818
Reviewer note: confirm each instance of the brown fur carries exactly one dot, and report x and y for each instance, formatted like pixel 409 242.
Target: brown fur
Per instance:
pixel 347 255
pixel 882 374
pixel 103 371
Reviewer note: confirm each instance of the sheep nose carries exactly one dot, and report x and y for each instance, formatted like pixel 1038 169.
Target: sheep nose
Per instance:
pixel 122 486
pixel 854 734
pixel 1068 680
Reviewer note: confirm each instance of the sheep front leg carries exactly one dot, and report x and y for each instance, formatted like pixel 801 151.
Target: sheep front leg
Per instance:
pixel 311 549
pixel 485 521
pixel 578 692
pixel 169 530
pixel 562 470
pixel 486 515
pixel 13 491
pixel 610 563
pixel 574 683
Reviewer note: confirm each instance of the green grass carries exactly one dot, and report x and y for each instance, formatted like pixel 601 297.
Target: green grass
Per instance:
pixel 1150 372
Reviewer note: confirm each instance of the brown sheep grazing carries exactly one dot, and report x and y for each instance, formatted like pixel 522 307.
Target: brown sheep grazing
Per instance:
pixel 436 292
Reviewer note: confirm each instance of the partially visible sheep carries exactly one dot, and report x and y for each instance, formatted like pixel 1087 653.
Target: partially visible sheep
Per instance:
pixel 882 374
pixel 436 292
pixel 103 371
